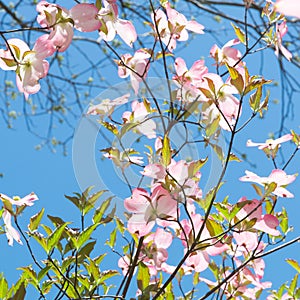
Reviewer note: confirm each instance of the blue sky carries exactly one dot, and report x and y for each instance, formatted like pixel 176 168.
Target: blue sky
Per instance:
pixel 51 175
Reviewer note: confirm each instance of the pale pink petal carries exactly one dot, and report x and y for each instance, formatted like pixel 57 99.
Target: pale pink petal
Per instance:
pixel 163 238
pixel 163 204
pixel 288 7
pixel 11 233
pixel 138 224
pixel 217 249
pixel 252 144
pixel 268 224
pixel 44 46
pixel 85 17
pixel 283 192
pixel 246 240
pixel 195 27
pixel 179 171
pixel 155 171
pixel 180 66
pixel 126 31
pixel 198 260
pixel 138 202
pixel 281 178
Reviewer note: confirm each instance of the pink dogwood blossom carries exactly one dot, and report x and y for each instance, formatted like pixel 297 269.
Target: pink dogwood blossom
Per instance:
pixel 111 24
pixel 107 106
pixel 11 233
pixel 225 107
pixel 27 200
pixel 271 144
pixel 147 208
pixel 253 210
pixel 135 66
pixel 139 115
pixel 227 54
pixel 29 66
pixel 61 21
pixel 288 7
pixel 193 76
pixel 281 30
pixel 173 27
pixel 277 176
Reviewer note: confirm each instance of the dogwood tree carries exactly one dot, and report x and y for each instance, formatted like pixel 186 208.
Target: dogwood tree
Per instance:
pixel 168 237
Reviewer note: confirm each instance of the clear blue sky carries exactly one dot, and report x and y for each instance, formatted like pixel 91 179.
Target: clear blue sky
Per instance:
pixel 51 175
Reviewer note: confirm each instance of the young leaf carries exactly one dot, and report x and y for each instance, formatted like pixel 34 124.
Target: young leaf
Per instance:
pixel 90 202
pixel 212 126
pixel 294 264
pixel 166 151
pixel 239 33
pixel 54 238
pixel 36 220
pixel 293 285
pixel 3 288
pixel 112 239
pixel 85 235
pixel 98 215
pixel 143 276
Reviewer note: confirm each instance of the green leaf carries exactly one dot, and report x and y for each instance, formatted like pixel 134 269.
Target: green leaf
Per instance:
pixel 106 275
pixel 30 273
pixel 74 200
pixel 93 269
pixel 255 98
pixel 270 188
pixel 17 51
pixel 143 276
pixel 111 127
pixel 296 138
pixel 213 227
pixel 36 220
pixel 57 221
pixel 40 239
pixel 211 85
pixel 223 209
pixel 85 235
pixel 166 151
pixel 20 293
pixel 86 250
pixel 195 166
pixel 238 83
pixel 284 221
pixel 126 127
pixel 258 190
pixel 10 62
pixel 233 157
pixel 239 33
pixel 3 288
pixel 54 238
pixel 234 74
pixel 112 238
pixel 209 196
pixel 219 151
pixel 98 4
pixel 212 127
pixel 120 225
pixel 190 109
pixel 43 272
pixel 91 201
pixel 161 54
pixel 294 264
pixel 293 285
pixel 207 93
pixel 98 215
